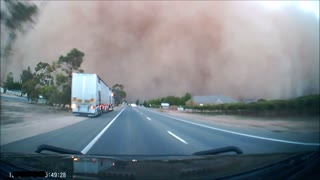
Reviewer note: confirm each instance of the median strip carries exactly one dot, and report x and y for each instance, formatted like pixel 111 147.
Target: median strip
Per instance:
pixel 94 140
pixel 177 137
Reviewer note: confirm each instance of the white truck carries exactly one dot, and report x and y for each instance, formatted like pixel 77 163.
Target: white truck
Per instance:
pixel 90 96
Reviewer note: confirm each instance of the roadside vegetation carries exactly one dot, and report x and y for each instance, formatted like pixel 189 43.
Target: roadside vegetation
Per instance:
pixel 172 100
pixel 119 94
pixel 304 105
pixel 53 81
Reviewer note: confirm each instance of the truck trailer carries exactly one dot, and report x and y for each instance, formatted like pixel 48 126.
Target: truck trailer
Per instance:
pixel 90 96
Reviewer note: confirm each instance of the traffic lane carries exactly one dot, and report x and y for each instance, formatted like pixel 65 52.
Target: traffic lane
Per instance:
pixel 307 137
pixel 272 146
pixel 202 138
pixel 73 137
pixel 134 134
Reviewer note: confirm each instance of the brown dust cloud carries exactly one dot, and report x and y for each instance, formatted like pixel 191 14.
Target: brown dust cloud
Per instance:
pixel 239 49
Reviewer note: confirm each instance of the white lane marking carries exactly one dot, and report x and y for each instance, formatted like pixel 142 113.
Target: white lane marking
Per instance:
pixel 138 111
pixel 177 137
pixel 94 140
pixel 242 134
pixel 148 118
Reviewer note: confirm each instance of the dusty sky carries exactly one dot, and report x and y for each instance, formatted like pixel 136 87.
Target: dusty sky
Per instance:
pixel 243 50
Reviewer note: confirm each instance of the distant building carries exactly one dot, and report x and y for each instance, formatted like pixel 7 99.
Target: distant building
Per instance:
pixel 206 100
pixel 14 92
pixel 248 101
pixel 165 105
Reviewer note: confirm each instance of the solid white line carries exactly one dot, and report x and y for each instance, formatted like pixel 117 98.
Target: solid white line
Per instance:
pixel 148 118
pixel 242 134
pixel 94 140
pixel 180 139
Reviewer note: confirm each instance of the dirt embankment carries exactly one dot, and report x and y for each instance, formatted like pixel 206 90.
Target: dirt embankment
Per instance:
pixel 20 120
pixel 18 112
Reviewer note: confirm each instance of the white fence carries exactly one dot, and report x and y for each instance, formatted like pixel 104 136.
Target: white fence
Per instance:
pixel 14 92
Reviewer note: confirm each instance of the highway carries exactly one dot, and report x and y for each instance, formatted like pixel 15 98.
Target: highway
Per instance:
pixel 141 131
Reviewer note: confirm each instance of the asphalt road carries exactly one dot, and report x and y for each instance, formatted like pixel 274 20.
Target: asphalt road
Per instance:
pixel 140 131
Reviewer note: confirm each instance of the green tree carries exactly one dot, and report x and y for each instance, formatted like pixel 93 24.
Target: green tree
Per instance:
pixel 66 94
pixel 172 100
pixel 16 85
pixel 186 98
pixel 119 93
pixel 118 86
pixel 67 65
pixel 43 73
pixel 137 102
pixel 71 62
pixel 10 84
pixel 51 94
pixel 26 75
pixel 15 16
pixel 154 102
pixel 9 81
pixel 61 79
pixel 32 88
pixel 145 103
pixel 41 81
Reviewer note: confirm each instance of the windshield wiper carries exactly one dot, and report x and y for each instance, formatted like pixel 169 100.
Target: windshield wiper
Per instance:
pixel 219 151
pixel 46 147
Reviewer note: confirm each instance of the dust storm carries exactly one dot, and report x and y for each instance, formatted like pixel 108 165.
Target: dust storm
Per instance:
pixel 240 49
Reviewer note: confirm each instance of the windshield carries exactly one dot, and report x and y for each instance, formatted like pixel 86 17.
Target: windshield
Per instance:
pixel 160 78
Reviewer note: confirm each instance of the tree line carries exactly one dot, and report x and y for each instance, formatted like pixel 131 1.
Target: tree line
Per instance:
pixel 53 81
pixel 172 100
pixel 308 105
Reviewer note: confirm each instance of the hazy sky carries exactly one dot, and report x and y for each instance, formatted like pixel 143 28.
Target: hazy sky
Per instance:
pixel 241 49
